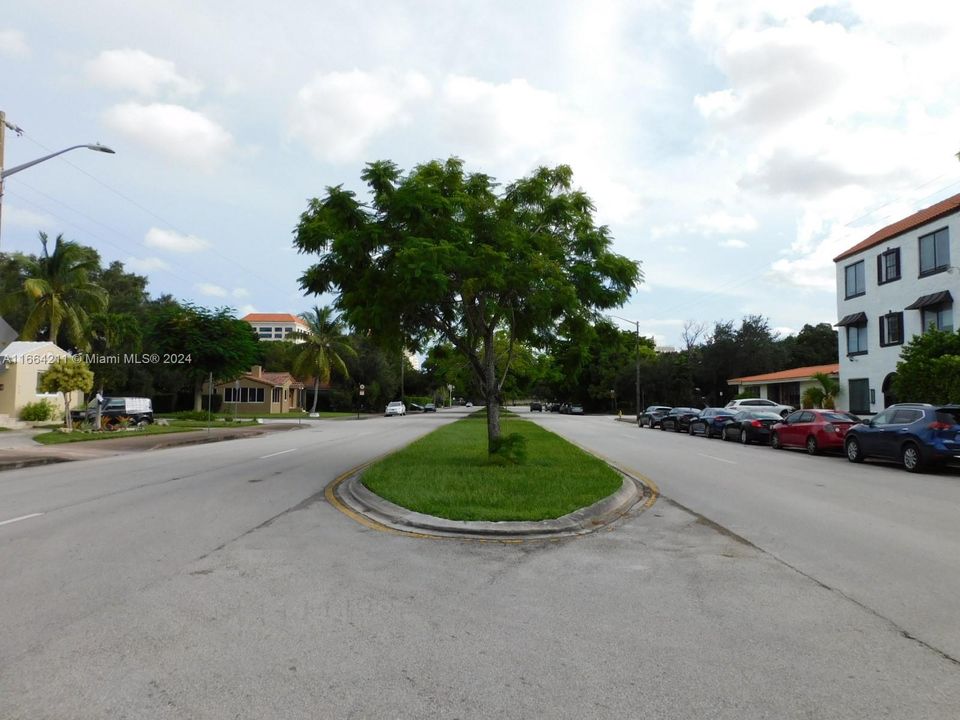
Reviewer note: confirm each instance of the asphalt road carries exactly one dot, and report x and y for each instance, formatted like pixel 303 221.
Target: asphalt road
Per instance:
pixel 215 582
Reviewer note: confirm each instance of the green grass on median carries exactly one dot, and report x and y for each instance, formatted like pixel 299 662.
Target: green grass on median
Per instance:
pixel 448 474
pixel 55 437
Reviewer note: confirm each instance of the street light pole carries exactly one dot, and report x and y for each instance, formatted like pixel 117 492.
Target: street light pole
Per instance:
pixel 17 168
pixel 637 379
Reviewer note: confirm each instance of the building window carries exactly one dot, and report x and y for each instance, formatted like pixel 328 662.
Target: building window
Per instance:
pixel 891 329
pixel 888 266
pixel 242 395
pixel 939 317
pixel 857 339
pixel 859 394
pixel 856 283
pixel 935 252
pixel 277 394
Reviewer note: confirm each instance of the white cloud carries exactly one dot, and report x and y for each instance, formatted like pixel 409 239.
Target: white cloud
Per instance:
pixel 173 131
pixel 174 241
pixel 246 310
pixel 339 114
pixel 147 264
pixel 21 217
pixel 13 44
pixel 240 292
pixel 733 243
pixel 139 72
pixel 211 290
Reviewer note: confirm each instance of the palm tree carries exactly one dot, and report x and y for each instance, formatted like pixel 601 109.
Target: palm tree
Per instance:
pixel 823 396
pixel 323 348
pixel 59 292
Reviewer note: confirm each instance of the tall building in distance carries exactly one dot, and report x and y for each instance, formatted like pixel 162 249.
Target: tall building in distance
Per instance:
pixel 276 326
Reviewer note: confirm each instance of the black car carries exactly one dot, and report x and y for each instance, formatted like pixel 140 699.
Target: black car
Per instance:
pixel 678 419
pixel 536 407
pixel 749 426
pixel 554 407
pixel 710 422
pixel 651 416
pixel 916 434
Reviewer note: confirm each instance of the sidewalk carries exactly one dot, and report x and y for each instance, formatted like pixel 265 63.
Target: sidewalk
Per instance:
pixel 19 450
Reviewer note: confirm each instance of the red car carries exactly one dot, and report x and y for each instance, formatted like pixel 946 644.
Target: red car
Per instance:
pixel 816 430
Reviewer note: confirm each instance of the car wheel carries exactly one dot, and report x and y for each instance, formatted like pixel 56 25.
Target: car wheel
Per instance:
pixel 854 452
pixel 663 428
pixel 744 438
pixel 912 460
pixel 812 447
pixel 690 430
pixel 775 441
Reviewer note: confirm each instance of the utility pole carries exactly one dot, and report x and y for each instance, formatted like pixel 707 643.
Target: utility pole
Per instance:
pixel 3 132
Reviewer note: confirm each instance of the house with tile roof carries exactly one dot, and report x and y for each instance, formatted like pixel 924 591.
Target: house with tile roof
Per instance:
pixel 259 393
pixel 891 286
pixel 21 365
pixel 785 386
pixel 276 326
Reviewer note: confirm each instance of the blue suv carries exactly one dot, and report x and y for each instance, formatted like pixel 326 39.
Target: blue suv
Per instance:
pixel 916 434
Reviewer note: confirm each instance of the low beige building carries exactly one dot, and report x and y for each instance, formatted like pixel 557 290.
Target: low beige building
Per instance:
pixel 21 365
pixel 259 392
pixel 786 386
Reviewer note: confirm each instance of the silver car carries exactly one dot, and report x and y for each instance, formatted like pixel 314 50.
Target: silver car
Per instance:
pixel 396 408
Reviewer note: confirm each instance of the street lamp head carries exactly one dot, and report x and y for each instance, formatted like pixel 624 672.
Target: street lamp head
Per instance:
pixel 100 148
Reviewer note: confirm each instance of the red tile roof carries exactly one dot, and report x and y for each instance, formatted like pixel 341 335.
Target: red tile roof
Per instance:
pixel 934 212
pixel 272 317
pixel 795 374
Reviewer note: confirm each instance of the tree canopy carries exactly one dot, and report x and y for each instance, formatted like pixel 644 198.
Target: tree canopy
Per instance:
pixel 929 368
pixel 439 253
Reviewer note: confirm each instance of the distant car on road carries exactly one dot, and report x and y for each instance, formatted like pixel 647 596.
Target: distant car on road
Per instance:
pixel 710 422
pixel 759 404
pixel 469 404
pixel 815 430
pixel 749 426
pixel 678 419
pixel 536 406
pixel 652 415
pixel 917 434
pixel 429 407
pixel 395 408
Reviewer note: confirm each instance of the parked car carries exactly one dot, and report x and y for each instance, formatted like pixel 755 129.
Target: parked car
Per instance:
pixel 554 407
pixel 575 409
pixel 816 430
pixel 749 426
pixel 651 416
pixel 414 407
pixel 710 422
pixel 536 406
pixel 429 407
pixel 469 404
pixel 760 404
pixel 916 434
pixel 678 419
pixel 139 410
pixel 396 408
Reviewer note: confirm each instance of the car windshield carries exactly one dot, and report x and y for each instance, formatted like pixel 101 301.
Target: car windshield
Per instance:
pixel 839 417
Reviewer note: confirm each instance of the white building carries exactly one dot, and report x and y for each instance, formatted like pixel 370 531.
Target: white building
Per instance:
pixel 276 326
pixel 890 287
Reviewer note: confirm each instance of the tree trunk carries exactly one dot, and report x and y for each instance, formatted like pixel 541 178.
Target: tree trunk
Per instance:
pixel 316 394
pixel 491 391
pixel 66 411
pixel 198 395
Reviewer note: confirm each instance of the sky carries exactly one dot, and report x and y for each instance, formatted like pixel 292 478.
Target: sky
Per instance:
pixel 734 147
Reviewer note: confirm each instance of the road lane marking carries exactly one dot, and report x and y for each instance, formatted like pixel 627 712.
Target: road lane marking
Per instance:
pixel 713 457
pixel 282 452
pixel 22 517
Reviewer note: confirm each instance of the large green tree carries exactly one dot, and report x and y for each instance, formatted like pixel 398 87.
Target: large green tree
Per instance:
pixel 216 343
pixel 322 349
pixel 59 293
pixel 929 368
pixel 66 376
pixel 439 253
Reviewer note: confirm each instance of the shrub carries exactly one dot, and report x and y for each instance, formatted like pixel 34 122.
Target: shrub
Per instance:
pixel 200 415
pixel 509 450
pixel 38 411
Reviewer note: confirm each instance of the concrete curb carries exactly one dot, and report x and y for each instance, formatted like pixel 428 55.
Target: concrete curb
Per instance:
pixel 31 462
pixel 358 498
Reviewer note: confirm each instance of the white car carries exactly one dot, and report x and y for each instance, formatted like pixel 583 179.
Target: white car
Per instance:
pixel 396 408
pixel 759 404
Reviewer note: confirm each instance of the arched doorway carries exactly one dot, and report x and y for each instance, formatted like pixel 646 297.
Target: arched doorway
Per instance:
pixel 888 397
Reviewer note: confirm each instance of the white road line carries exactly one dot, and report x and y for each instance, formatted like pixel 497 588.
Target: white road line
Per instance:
pixel 712 457
pixel 22 517
pixel 282 452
